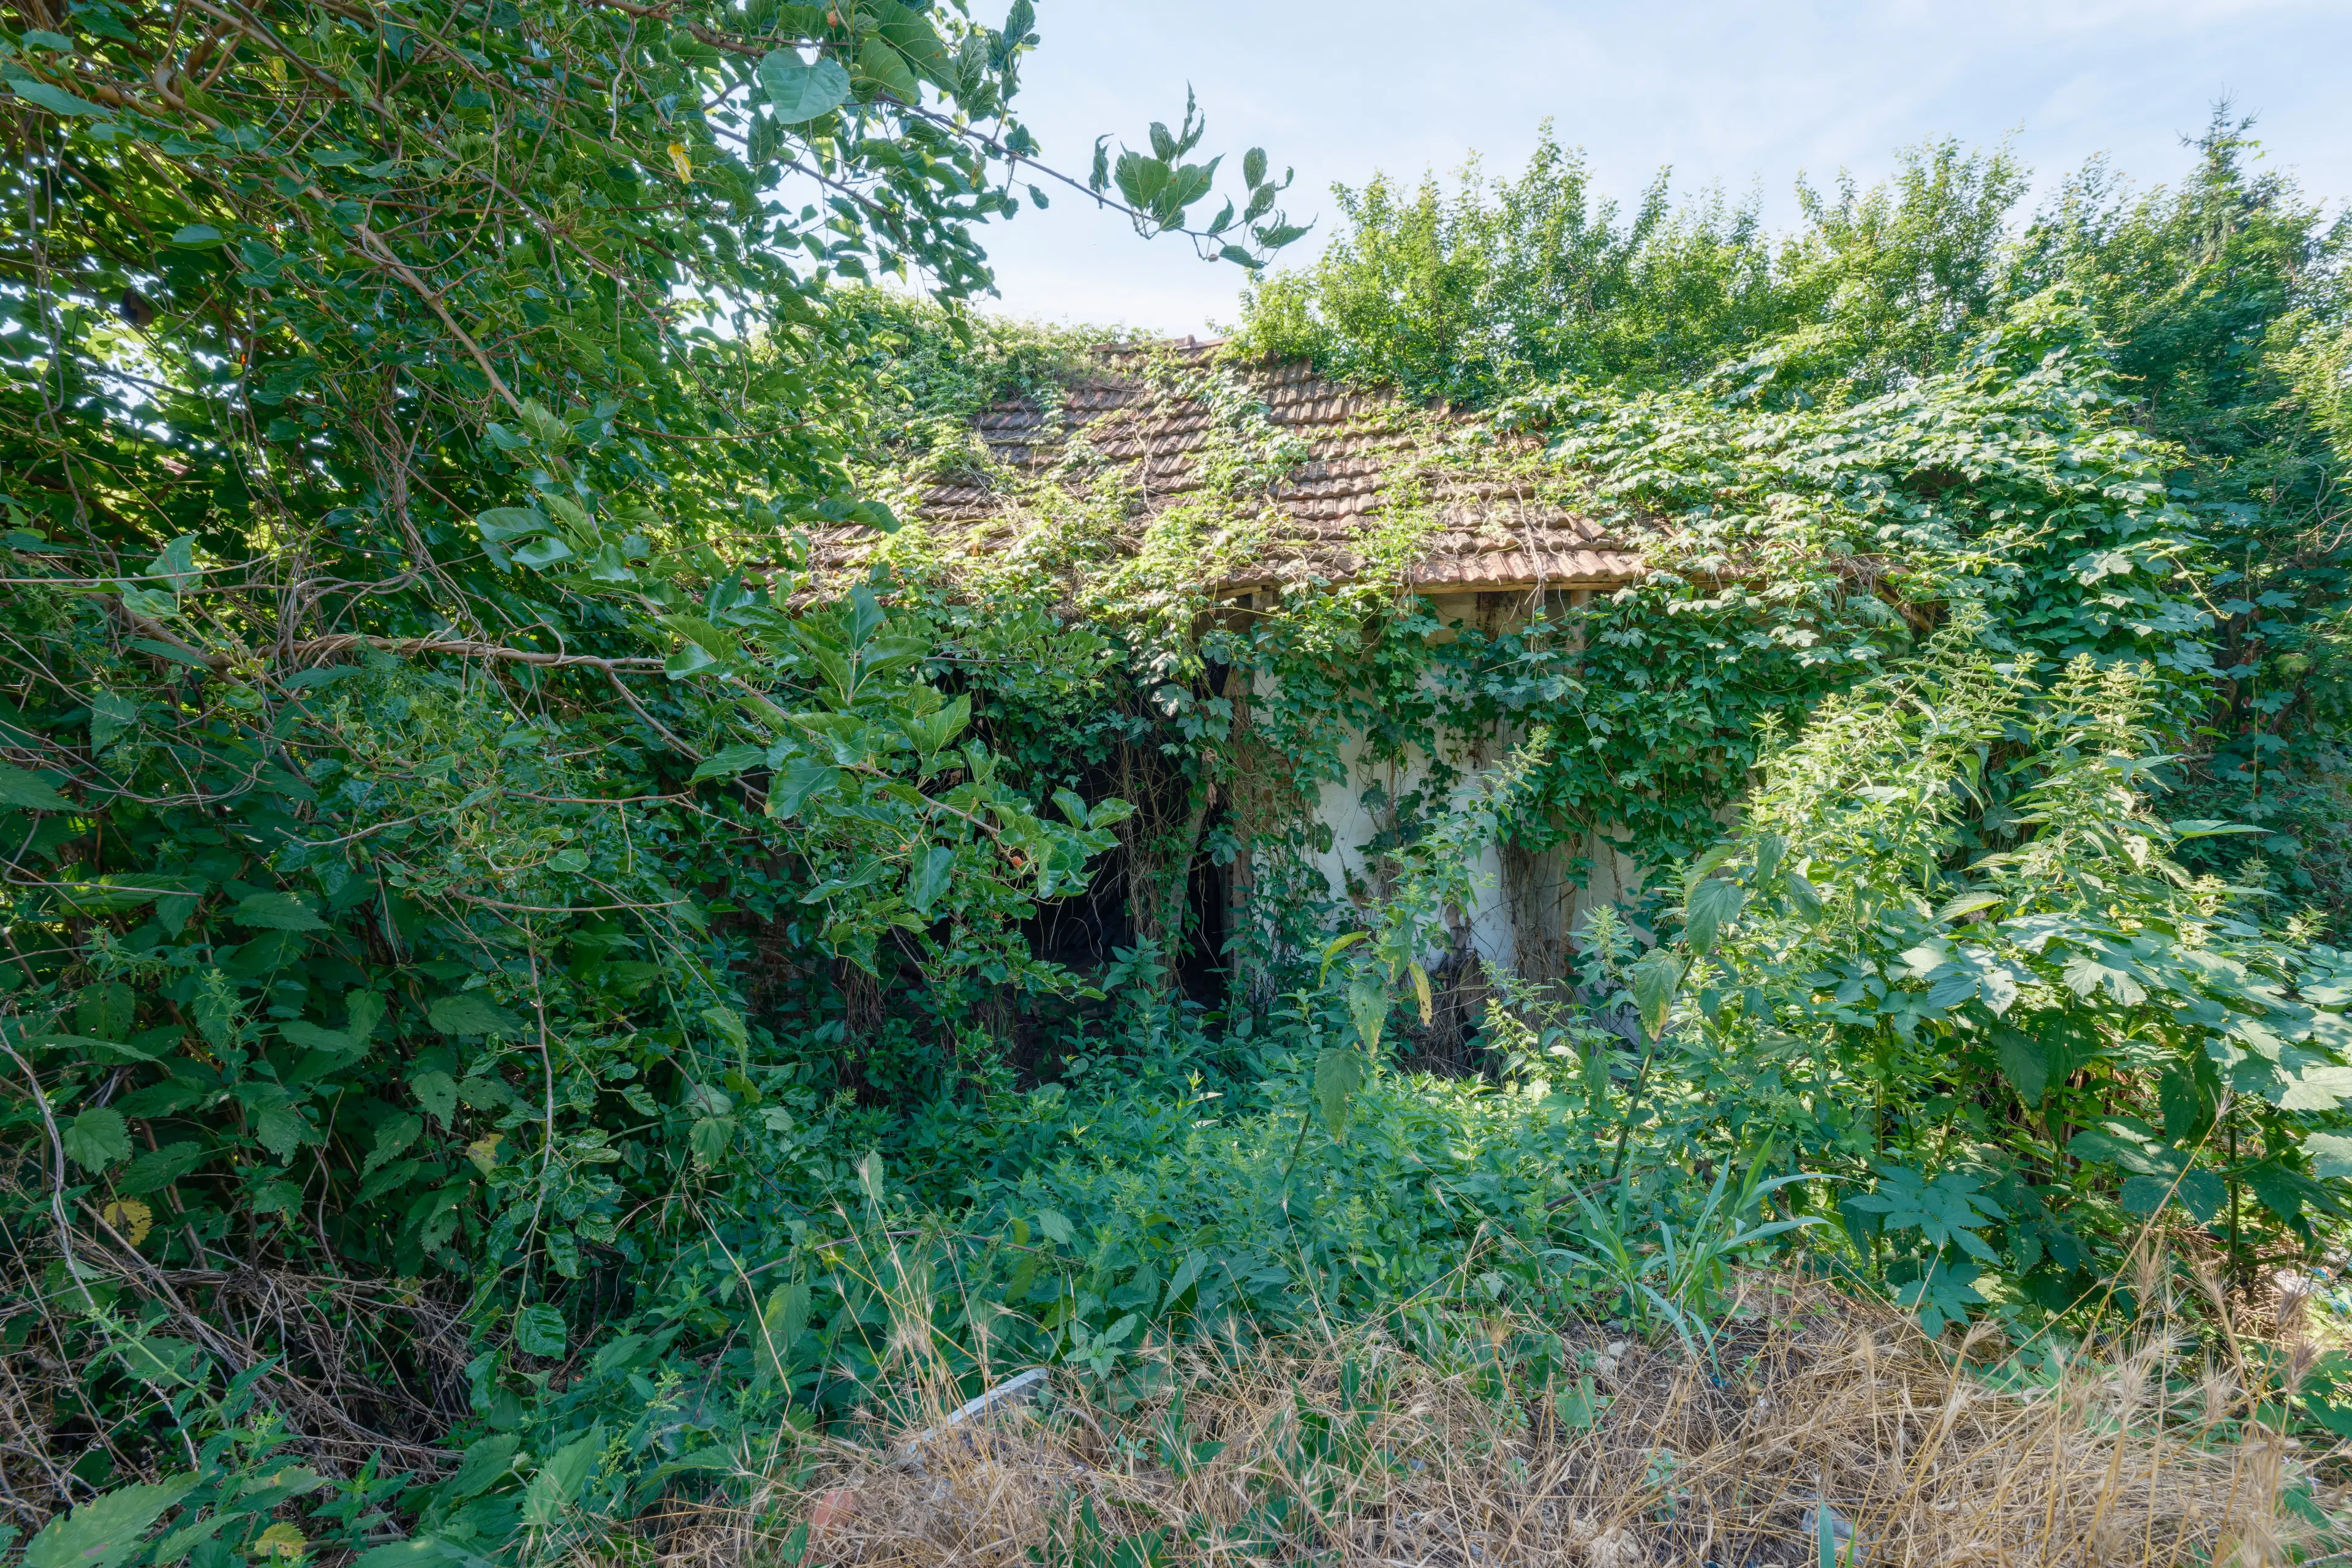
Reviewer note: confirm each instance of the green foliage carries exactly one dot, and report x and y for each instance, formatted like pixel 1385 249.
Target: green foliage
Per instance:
pixel 2224 296
pixel 1682 1278
pixel 1966 941
pixel 2217 308
pixel 417 717
pixel 1992 776
pixel 1159 187
pixel 468 886
pixel 1504 283
pixel 926 371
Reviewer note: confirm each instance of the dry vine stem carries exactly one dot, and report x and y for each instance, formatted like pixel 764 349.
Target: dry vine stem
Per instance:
pixel 2110 1462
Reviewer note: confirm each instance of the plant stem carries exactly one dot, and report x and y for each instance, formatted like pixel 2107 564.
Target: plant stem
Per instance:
pixel 1632 1103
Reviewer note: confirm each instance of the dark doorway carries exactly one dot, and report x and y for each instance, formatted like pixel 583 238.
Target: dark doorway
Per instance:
pixel 1202 968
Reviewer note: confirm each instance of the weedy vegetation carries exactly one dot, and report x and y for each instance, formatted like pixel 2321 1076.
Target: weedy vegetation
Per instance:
pixel 539 1025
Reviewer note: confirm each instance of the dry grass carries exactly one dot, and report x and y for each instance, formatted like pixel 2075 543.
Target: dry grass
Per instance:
pixel 2140 1456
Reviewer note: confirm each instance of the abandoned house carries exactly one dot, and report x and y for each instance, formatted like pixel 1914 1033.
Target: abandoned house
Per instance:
pixel 1490 547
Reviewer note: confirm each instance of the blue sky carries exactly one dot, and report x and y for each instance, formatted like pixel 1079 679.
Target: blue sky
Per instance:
pixel 1744 95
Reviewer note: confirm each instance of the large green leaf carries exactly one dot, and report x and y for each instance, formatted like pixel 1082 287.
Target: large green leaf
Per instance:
pixel 781 1323
pixel 2331 1154
pixel 2310 1084
pixel 2200 1193
pixel 471 1013
pixel 727 761
pixel 540 1331
pixel 29 791
pixel 1368 1010
pixel 364 1007
pixel 276 911
pixel 158 1169
pixel 559 1481
pixel 97 1138
pixel 485 1464
pixel 159 1359
pixel 107 1529
pixel 880 64
pixel 111 713
pixel 1712 905
pixel 1338 1077
pixel 417 1551
pixel 437 1091
pixel 1656 979
pixel 934 731
pixel 803 779
pixel 800 91
pixel 108 1009
pixel 56 100
pixel 2025 1062
pixel 914 36
pixel 711 1137
pixel 932 871
pixel 2040 1048
pixel 282 1129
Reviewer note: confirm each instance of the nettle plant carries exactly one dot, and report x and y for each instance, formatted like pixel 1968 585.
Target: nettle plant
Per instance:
pixel 1951 947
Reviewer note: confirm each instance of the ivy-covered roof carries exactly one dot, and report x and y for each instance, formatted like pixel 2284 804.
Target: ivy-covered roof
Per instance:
pixel 1347 464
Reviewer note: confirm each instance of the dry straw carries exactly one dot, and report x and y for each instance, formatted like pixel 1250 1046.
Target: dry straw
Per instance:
pixel 1351 1450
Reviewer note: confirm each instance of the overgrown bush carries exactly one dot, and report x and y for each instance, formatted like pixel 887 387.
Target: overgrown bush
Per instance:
pixel 2218 304
pixel 518 1002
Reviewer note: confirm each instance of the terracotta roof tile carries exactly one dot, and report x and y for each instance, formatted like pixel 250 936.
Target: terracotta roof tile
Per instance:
pixel 1490 531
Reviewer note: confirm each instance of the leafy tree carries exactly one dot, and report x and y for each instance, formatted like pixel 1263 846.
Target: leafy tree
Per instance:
pixel 410 417
pixel 2219 304
pixel 2225 298
pixel 1506 283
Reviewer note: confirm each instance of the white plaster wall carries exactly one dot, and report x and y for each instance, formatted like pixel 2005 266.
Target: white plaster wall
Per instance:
pixel 1339 807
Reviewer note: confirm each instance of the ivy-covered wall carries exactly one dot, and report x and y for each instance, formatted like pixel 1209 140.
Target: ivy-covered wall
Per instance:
pixel 1291 706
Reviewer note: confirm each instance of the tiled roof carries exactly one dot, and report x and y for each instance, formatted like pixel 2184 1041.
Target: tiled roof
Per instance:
pixel 1489 533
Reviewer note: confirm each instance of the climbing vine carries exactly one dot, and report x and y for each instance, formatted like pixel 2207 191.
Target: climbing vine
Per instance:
pixel 1786 555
